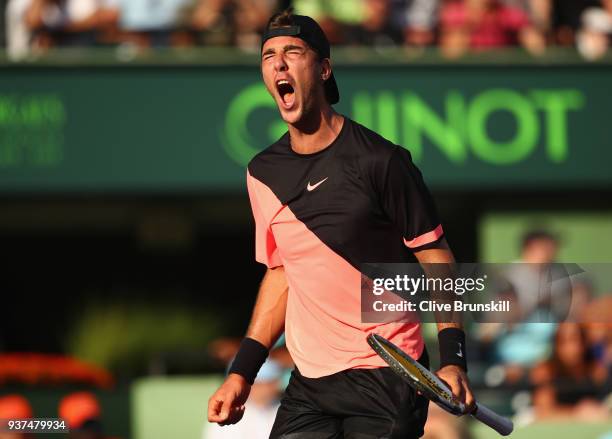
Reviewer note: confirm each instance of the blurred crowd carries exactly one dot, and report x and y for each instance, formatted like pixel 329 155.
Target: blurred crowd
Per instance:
pixel 555 371
pixel 456 26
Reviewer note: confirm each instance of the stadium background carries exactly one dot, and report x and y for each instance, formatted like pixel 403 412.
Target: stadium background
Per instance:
pixel 125 227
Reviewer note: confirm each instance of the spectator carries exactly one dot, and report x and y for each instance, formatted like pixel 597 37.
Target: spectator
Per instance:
pixel 260 408
pixel 533 277
pixel 593 39
pixel 376 27
pixel 336 18
pixel 18 33
pixel 237 22
pixel 420 19
pixel 69 22
pixel 146 23
pixel 250 17
pixel 568 384
pixel 510 345
pixel 489 333
pixel 40 24
pixel 597 316
pixel 566 18
pixel 582 296
pixel 539 247
pixel 213 19
pixel 461 25
pixel 224 349
pixel 486 24
pixel 373 22
pixel 539 291
pixel 539 12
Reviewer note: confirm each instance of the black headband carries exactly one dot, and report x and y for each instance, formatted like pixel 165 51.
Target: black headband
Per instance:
pixel 285 31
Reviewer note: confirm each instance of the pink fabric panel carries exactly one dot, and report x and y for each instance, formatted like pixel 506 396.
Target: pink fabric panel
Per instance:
pixel 425 238
pixel 263 203
pixel 323 329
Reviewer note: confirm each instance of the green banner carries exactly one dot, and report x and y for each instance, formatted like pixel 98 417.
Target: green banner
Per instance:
pixel 181 128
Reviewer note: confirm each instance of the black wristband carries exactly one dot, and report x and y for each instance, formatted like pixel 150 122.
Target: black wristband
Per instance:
pixel 452 348
pixel 249 359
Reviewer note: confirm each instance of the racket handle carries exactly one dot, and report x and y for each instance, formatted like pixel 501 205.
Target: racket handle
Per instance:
pixel 502 425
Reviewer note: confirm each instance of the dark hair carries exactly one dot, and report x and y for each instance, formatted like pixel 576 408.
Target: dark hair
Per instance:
pixel 281 19
pixel 559 369
pixel 535 235
pixel 284 19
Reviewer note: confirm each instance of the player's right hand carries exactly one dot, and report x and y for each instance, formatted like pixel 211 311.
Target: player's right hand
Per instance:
pixel 226 405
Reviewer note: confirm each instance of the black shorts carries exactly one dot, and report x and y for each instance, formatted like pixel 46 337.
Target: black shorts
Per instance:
pixel 354 404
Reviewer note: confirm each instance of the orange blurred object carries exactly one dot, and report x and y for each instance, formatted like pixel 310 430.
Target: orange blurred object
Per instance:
pixel 79 407
pixel 37 368
pixel 15 407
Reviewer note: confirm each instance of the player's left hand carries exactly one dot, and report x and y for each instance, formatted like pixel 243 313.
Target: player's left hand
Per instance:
pixel 457 380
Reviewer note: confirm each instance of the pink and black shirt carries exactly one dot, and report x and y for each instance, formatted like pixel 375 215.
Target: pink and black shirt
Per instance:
pixel 321 216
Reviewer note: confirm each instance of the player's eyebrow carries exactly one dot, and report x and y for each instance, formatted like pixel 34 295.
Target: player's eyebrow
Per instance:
pixel 287 48
pixel 269 51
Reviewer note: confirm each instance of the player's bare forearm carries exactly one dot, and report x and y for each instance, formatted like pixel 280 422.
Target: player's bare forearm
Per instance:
pixel 226 405
pixel 439 262
pixel 268 320
pixel 443 257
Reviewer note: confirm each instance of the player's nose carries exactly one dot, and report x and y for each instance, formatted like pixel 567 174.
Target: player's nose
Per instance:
pixel 279 64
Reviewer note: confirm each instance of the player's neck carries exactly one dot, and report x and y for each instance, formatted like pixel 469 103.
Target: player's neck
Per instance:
pixel 316 132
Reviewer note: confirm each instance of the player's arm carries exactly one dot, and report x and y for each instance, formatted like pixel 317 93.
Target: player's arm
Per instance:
pixel 453 366
pixel 226 405
pixel 268 321
pixel 407 201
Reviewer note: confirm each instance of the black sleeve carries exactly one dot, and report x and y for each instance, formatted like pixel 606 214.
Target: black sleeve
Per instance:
pixel 407 201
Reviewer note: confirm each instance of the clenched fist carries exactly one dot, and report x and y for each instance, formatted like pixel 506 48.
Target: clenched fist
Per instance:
pixel 226 405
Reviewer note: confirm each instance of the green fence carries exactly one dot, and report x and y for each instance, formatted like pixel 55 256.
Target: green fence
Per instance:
pixel 192 124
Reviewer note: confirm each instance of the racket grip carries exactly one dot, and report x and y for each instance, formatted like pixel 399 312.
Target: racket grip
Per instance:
pixel 502 425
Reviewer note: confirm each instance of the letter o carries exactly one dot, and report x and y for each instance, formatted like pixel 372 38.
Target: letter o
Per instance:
pixel 527 131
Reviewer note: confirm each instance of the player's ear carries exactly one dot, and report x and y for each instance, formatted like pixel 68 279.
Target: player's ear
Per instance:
pixel 326 69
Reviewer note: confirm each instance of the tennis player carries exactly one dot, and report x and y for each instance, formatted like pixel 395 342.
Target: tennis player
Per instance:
pixel 327 196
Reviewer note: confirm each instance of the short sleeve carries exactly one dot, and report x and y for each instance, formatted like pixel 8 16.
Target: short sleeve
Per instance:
pixel 266 251
pixel 407 201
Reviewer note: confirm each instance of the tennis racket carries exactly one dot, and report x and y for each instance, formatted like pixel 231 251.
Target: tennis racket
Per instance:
pixel 432 387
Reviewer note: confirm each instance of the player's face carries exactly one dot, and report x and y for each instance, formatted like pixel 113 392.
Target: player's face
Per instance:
pixel 294 76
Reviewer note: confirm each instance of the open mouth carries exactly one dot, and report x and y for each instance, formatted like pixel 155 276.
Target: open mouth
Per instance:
pixel 286 93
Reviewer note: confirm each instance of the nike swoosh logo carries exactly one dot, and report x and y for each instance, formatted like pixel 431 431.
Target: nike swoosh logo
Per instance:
pixel 312 187
pixel 460 353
